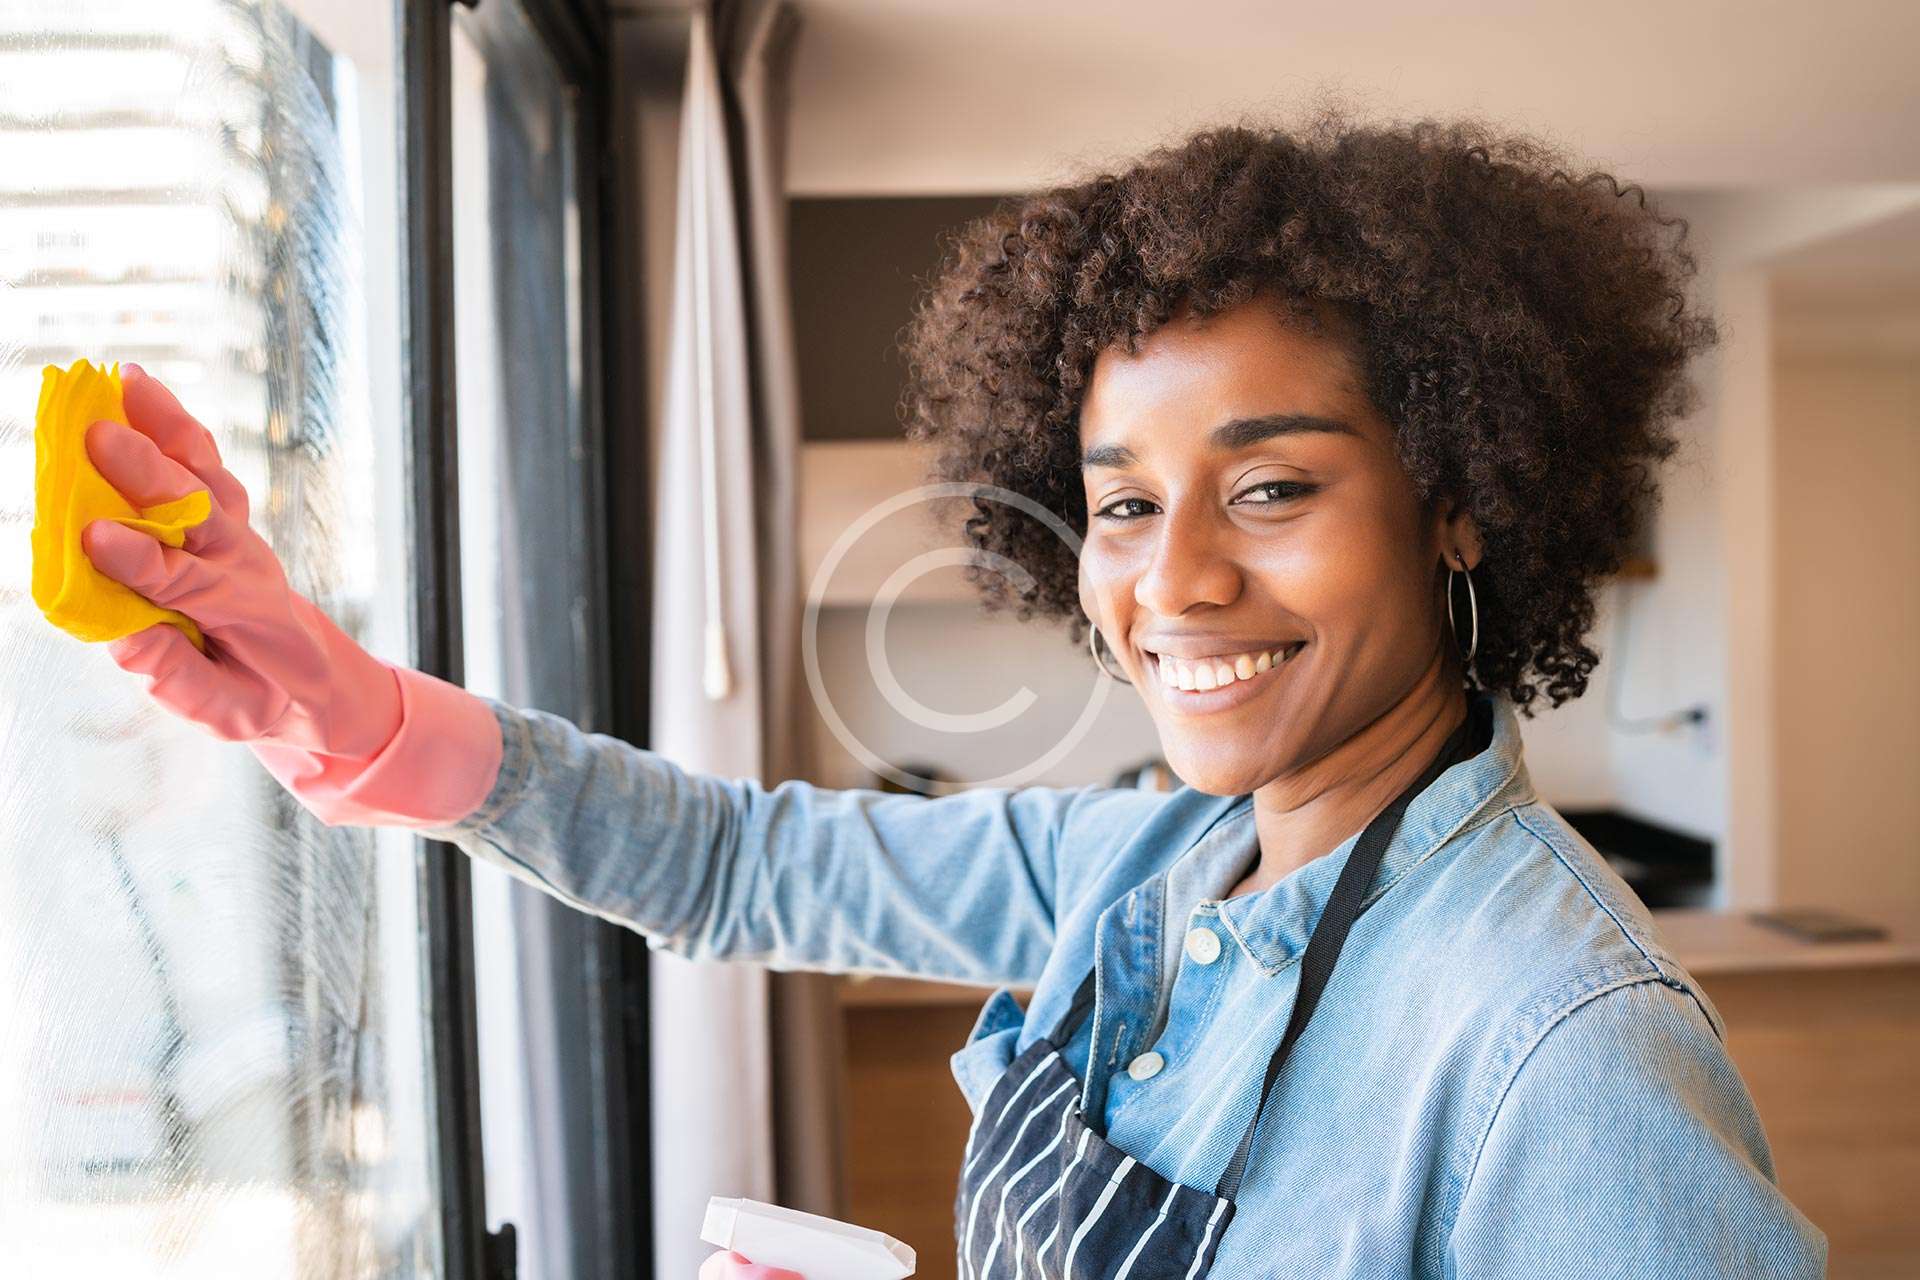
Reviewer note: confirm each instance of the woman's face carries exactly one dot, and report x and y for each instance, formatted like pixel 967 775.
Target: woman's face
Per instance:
pixel 1256 557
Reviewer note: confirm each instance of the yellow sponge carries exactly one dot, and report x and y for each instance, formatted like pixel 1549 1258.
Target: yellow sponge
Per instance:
pixel 68 492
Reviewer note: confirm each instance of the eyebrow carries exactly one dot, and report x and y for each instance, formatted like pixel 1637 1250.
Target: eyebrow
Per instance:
pixel 1239 433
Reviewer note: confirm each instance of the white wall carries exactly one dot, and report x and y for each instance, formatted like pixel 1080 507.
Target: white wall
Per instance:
pixel 1715 603
pixel 1847 693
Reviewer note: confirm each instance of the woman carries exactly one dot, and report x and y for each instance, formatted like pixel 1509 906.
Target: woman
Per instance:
pixel 1352 421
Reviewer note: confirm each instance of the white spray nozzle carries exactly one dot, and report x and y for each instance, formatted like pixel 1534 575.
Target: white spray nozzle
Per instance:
pixel 816 1247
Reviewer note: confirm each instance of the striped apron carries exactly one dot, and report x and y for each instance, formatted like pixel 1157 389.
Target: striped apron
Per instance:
pixel 1044 1195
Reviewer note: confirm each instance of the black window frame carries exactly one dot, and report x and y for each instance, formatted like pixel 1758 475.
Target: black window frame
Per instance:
pixel 575 35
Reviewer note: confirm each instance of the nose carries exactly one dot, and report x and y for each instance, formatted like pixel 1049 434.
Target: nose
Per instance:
pixel 1192 565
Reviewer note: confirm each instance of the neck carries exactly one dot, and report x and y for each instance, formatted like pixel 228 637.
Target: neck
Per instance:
pixel 1308 812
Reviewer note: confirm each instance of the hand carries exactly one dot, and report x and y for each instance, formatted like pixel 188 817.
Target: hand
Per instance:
pixel 731 1266
pixel 276 669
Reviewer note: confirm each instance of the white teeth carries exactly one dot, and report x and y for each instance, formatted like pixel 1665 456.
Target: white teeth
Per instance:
pixel 1217 673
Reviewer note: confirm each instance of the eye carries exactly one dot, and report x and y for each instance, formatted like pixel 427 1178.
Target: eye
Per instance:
pixel 1277 490
pixel 1113 510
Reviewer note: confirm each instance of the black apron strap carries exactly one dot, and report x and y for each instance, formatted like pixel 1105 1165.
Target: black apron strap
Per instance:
pixel 1330 932
pixel 1076 1012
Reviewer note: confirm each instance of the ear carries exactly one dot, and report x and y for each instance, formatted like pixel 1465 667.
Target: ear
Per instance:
pixel 1458 535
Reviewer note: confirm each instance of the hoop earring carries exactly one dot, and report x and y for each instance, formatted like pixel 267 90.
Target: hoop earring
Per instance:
pixel 1473 606
pixel 1093 644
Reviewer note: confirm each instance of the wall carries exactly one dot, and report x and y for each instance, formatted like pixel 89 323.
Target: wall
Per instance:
pixel 1847 700
pixel 1709 617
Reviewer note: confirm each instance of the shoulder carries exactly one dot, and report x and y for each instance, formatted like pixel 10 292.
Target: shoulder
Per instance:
pixel 1623 1123
pixel 1582 1039
pixel 1566 987
pixel 1547 946
pixel 1549 920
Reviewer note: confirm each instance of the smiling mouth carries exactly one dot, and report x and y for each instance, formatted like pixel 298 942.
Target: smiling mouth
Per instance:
pixel 1219 671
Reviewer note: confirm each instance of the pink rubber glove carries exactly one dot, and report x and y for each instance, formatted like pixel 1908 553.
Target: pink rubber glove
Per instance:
pixel 731 1266
pixel 356 740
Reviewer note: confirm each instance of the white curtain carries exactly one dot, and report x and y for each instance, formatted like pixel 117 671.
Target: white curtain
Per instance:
pixel 724 593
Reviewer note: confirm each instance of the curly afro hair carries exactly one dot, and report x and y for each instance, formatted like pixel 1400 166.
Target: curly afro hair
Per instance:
pixel 1523 329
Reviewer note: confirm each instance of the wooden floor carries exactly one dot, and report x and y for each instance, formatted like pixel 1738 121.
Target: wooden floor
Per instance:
pixel 1831 1055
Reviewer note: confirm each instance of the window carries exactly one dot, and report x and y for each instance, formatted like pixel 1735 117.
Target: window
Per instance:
pixel 529 619
pixel 214 1057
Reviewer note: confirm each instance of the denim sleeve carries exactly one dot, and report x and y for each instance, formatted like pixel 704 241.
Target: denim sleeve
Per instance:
pixel 1627 1145
pixel 961 887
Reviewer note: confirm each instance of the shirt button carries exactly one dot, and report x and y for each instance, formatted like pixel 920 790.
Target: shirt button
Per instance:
pixel 1203 946
pixel 1146 1066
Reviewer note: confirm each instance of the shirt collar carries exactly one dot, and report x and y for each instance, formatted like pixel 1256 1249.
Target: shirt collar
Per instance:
pixel 1272 926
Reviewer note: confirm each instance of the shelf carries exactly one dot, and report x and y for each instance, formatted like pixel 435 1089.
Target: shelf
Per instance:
pixel 842 483
pixel 1636 567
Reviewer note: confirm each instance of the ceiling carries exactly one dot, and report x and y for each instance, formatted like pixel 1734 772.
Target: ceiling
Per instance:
pixel 989 96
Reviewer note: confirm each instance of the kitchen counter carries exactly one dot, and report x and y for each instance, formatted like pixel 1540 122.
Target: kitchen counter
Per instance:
pixel 1706 942
pixel 1727 942
pixel 1825 1035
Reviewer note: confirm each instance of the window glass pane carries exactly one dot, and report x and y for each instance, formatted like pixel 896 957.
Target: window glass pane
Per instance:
pixel 524 587
pixel 212 1013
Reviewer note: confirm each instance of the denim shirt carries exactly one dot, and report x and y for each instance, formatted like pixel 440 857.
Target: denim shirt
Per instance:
pixel 1508 1074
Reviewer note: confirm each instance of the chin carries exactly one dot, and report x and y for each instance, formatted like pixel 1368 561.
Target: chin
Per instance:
pixel 1207 772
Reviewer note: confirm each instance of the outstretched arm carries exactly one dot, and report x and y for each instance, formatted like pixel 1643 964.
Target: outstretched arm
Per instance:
pixel 962 887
